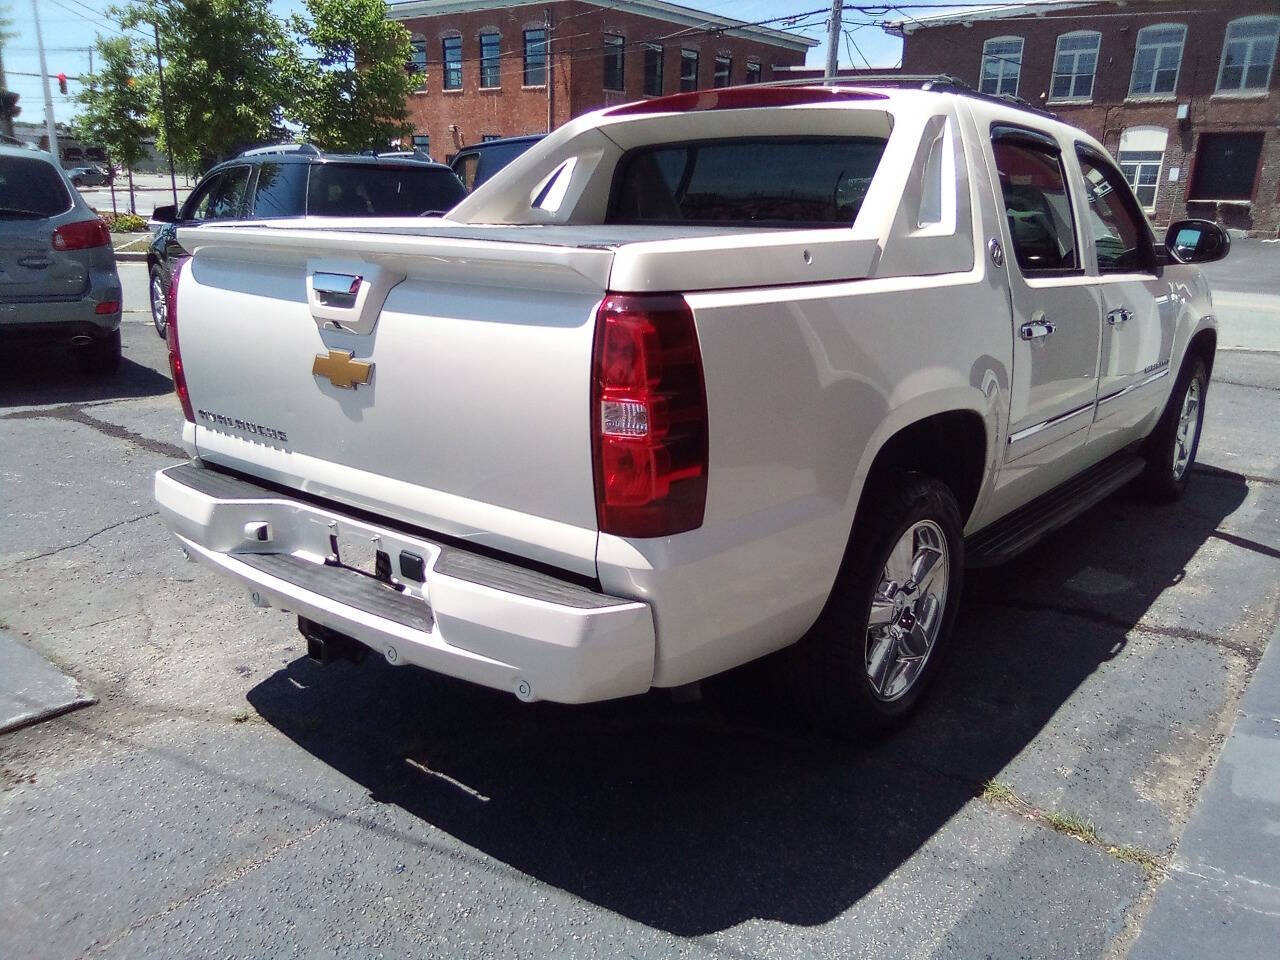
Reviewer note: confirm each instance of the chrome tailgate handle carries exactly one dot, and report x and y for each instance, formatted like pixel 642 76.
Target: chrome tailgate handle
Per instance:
pixel 1035 329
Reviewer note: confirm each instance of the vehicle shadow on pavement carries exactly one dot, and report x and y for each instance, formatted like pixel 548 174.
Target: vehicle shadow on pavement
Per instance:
pixel 694 818
pixel 33 379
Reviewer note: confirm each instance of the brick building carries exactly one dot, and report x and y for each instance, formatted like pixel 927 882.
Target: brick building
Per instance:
pixel 1184 93
pixel 484 65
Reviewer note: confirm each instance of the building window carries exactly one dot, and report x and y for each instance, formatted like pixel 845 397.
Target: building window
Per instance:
pixel 422 142
pixel 724 68
pixel 614 62
pixel 1074 64
pixel 1157 58
pixel 452 63
pixel 1226 166
pixel 418 65
pixel 490 60
pixel 753 73
pixel 1248 51
pixel 652 70
pixel 535 57
pixel 1141 155
pixel 1001 66
pixel 688 70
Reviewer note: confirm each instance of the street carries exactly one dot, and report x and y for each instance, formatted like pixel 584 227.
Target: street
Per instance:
pixel 228 797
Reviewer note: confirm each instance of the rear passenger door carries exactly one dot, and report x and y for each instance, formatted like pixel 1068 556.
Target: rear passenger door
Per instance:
pixel 1056 314
pixel 1139 312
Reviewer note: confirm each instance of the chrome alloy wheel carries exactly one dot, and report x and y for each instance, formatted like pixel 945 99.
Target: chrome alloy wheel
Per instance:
pixel 159 304
pixel 907 610
pixel 1188 432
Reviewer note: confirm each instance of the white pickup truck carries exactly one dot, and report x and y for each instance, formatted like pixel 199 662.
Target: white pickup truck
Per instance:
pixel 693 380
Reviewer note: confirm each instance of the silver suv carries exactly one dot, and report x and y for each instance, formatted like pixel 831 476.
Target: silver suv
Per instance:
pixel 58 280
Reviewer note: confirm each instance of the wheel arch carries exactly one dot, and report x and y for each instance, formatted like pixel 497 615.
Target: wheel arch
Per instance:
pixel 1203 344
pixel 952 446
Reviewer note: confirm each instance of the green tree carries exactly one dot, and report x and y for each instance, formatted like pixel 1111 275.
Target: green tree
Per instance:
pixel 352 94
pixel 227 70
pixel 115 106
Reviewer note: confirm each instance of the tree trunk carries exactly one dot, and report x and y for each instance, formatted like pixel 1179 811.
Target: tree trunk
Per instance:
pixel 133 208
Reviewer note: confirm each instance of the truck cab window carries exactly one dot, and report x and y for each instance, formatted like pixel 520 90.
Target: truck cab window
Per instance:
pixel 1034 187
pixel 1120 236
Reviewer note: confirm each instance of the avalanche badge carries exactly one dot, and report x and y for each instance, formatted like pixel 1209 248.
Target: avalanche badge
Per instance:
pixel 341 370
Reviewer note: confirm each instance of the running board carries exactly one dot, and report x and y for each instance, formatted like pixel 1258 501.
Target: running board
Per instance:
pixel 1011 534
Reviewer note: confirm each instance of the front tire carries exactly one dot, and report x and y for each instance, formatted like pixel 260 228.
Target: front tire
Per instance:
pixel 159 293
pixel 1171 448
pixel 867 661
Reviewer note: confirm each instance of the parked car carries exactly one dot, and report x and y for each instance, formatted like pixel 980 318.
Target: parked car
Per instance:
pixel 706 377
pixel 480 161
pixel 92 176
pixel 58 280
pixel 296 180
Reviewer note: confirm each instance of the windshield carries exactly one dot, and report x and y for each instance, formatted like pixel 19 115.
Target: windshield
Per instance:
pixel 30 187
pixel 767 181
pixel 366 190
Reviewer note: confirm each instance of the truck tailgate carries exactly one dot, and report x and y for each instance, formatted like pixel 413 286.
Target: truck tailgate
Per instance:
pixel 474 420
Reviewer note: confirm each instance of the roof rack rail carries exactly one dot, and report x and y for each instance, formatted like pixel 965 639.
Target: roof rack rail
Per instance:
pixel 924 81
pixel 307 148
pixel 414 154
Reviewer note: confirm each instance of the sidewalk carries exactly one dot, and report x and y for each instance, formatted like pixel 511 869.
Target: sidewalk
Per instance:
pixel 1222 895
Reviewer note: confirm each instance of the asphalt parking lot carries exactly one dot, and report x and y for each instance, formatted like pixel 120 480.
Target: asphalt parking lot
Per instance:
pixel 228 798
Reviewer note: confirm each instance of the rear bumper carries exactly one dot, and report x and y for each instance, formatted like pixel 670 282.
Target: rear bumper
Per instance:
pixel 473 617
pixel 56 322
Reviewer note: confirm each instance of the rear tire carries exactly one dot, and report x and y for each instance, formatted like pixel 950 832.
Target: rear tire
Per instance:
pixel 866 663
pixel 100 359
pixel 1171 448
pixel 158 292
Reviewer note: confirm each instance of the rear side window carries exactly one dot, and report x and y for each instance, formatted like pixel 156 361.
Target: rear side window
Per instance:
pixel 369 191
pixel 31 188
pixel 766 181
pixel 281 190
pixel 1034 186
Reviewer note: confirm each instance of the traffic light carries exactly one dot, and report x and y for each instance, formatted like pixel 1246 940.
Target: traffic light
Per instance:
pixel 9 105
pixel 62 83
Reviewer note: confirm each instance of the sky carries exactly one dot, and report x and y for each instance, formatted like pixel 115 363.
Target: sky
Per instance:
pixel 70 27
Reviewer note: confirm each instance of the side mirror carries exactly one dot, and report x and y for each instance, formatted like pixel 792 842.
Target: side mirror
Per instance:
pixel 1197 241
pixel 166 214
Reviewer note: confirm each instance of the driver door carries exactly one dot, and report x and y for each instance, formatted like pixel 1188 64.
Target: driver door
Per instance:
pixel 1140 313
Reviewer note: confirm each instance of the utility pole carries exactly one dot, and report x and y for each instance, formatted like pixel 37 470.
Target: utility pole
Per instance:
pixel 546 56
pixel 833 39
pixel 164 112
pixel 48 97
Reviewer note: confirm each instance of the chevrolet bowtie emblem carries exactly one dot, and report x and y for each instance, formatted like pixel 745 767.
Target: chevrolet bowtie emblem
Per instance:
pixel 341 370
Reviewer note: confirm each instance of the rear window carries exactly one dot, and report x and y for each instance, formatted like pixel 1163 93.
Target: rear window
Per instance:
pixel 31 188
pixel 368 191
pixel 770 181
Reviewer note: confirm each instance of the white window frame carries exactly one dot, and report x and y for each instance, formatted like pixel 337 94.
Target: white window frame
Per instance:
pixel 1075 74
pixel 418 57
pixel 1254 45
pixel 1135 149
pixel 1004 64
pixel 1159 46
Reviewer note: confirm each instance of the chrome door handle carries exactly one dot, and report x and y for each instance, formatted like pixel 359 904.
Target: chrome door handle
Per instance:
pixel 1119 316
pixel 1035 329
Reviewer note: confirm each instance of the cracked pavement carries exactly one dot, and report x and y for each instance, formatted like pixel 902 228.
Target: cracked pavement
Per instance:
pixel 226 797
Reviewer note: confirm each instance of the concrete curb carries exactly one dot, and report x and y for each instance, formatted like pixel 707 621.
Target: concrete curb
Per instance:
pixel 1222 895
pixel 130 257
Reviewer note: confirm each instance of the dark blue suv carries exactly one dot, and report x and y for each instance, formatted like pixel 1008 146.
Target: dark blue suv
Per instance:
pixel 296 180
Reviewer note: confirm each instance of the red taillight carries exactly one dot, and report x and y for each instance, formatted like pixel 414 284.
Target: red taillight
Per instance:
pixel 171 335
pixel 81 235
pixel 649 417
pixel 107 307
